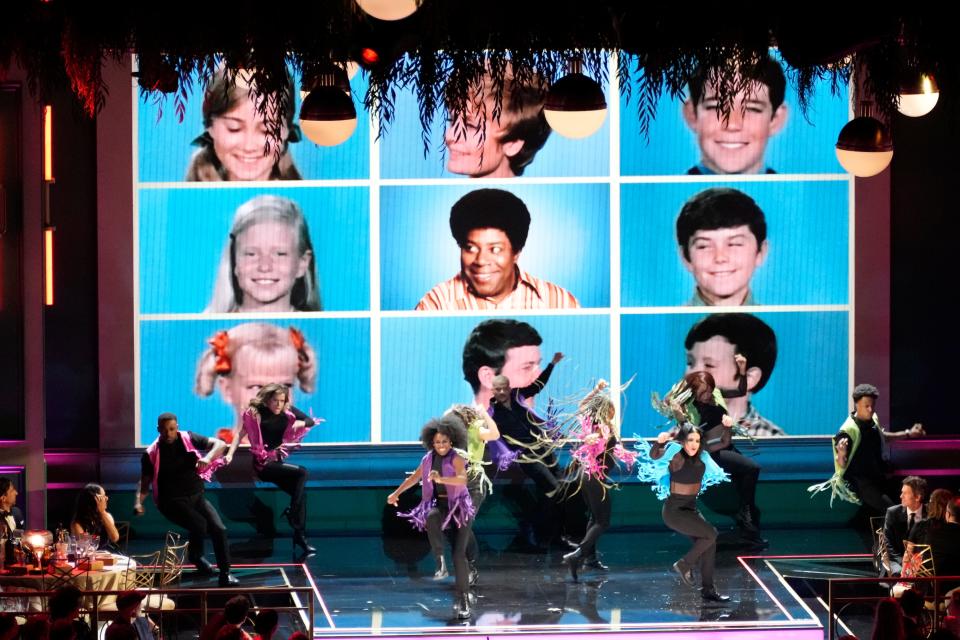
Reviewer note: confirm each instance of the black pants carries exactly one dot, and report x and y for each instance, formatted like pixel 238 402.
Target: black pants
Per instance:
pixel 743 471
pixel 680 514
pixel 477 497
pixel 292 480
pixel 871 493
pixel 461 537
pixel 548 516
pixel 544 476
pixel 600 503
pixel 195 514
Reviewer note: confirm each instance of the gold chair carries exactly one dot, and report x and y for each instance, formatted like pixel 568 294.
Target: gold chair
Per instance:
pixel 917 563
pixel 173 557
pixel 123 528
pixel 881 558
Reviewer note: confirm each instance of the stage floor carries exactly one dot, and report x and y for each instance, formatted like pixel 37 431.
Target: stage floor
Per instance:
pixel 374 586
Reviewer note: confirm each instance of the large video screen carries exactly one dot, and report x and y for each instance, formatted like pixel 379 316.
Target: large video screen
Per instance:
pixel 382 283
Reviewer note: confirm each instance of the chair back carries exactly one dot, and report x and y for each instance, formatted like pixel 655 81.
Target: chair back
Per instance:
pixel 145 576
pixel 123 528
pixel 172 564
pixel 919 562
pixel 881 558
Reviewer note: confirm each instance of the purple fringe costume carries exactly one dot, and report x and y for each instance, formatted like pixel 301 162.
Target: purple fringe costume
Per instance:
pixel 460 505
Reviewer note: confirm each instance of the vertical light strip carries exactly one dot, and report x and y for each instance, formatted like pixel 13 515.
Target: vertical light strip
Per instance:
pixel 47 224
pixel 48 265
pixel 48 143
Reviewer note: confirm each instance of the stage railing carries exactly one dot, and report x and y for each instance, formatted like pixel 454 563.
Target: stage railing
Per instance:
pixel 26 602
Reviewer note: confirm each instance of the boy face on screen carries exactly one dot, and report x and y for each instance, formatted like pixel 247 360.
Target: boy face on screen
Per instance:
pixel 715 356
pixel 522 366
pixel 268 264
pixel 239 142
pixel 479 152
pixel 489 263
pixel 736 145
pixel 252 369
pixel 722 262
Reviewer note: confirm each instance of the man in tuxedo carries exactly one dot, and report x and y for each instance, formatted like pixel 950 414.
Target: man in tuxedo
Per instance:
pixel 899 520
pixel 10 515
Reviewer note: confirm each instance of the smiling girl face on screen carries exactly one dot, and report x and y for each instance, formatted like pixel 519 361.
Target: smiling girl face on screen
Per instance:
pixel 268 263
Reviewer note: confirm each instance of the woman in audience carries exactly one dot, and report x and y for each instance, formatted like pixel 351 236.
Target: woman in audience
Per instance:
pixel 91 517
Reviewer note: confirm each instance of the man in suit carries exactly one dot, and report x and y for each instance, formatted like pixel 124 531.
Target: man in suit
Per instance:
pixel 899 520
pixel 11 518
pixel 10 515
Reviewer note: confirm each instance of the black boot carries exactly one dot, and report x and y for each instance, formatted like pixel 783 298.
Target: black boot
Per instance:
pixel 463 606
pixel 749 528
pixel 744 520
pixel 474 576
pixel 574 559
pixel 300 540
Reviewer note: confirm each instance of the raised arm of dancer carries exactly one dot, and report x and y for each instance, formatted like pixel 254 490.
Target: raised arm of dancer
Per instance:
pixel 489 431
pixel 142 491
pixel 411 481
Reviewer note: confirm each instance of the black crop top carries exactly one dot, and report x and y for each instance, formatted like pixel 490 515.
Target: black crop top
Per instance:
pixel 683 470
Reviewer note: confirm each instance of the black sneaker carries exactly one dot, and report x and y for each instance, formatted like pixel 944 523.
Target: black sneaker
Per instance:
pixel 463 606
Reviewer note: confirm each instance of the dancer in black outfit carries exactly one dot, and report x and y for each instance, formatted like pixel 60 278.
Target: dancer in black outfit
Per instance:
pixel 178 490
pixel 274 426
pixel 594 461
pixel 680 470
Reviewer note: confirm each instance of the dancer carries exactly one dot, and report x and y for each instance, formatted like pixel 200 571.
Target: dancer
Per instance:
pixel 714 344
pixel 178 490
pixel 861 455
pixel 481 429
pixel 274 426
pixel 532 441
pixel 680 470
pixel 446 500
pixel 594 459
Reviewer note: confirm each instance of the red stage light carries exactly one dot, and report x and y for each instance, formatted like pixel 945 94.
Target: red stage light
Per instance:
pixel 369 56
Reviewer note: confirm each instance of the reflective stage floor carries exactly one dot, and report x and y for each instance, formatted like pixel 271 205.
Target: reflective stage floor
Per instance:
pixel 373 586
